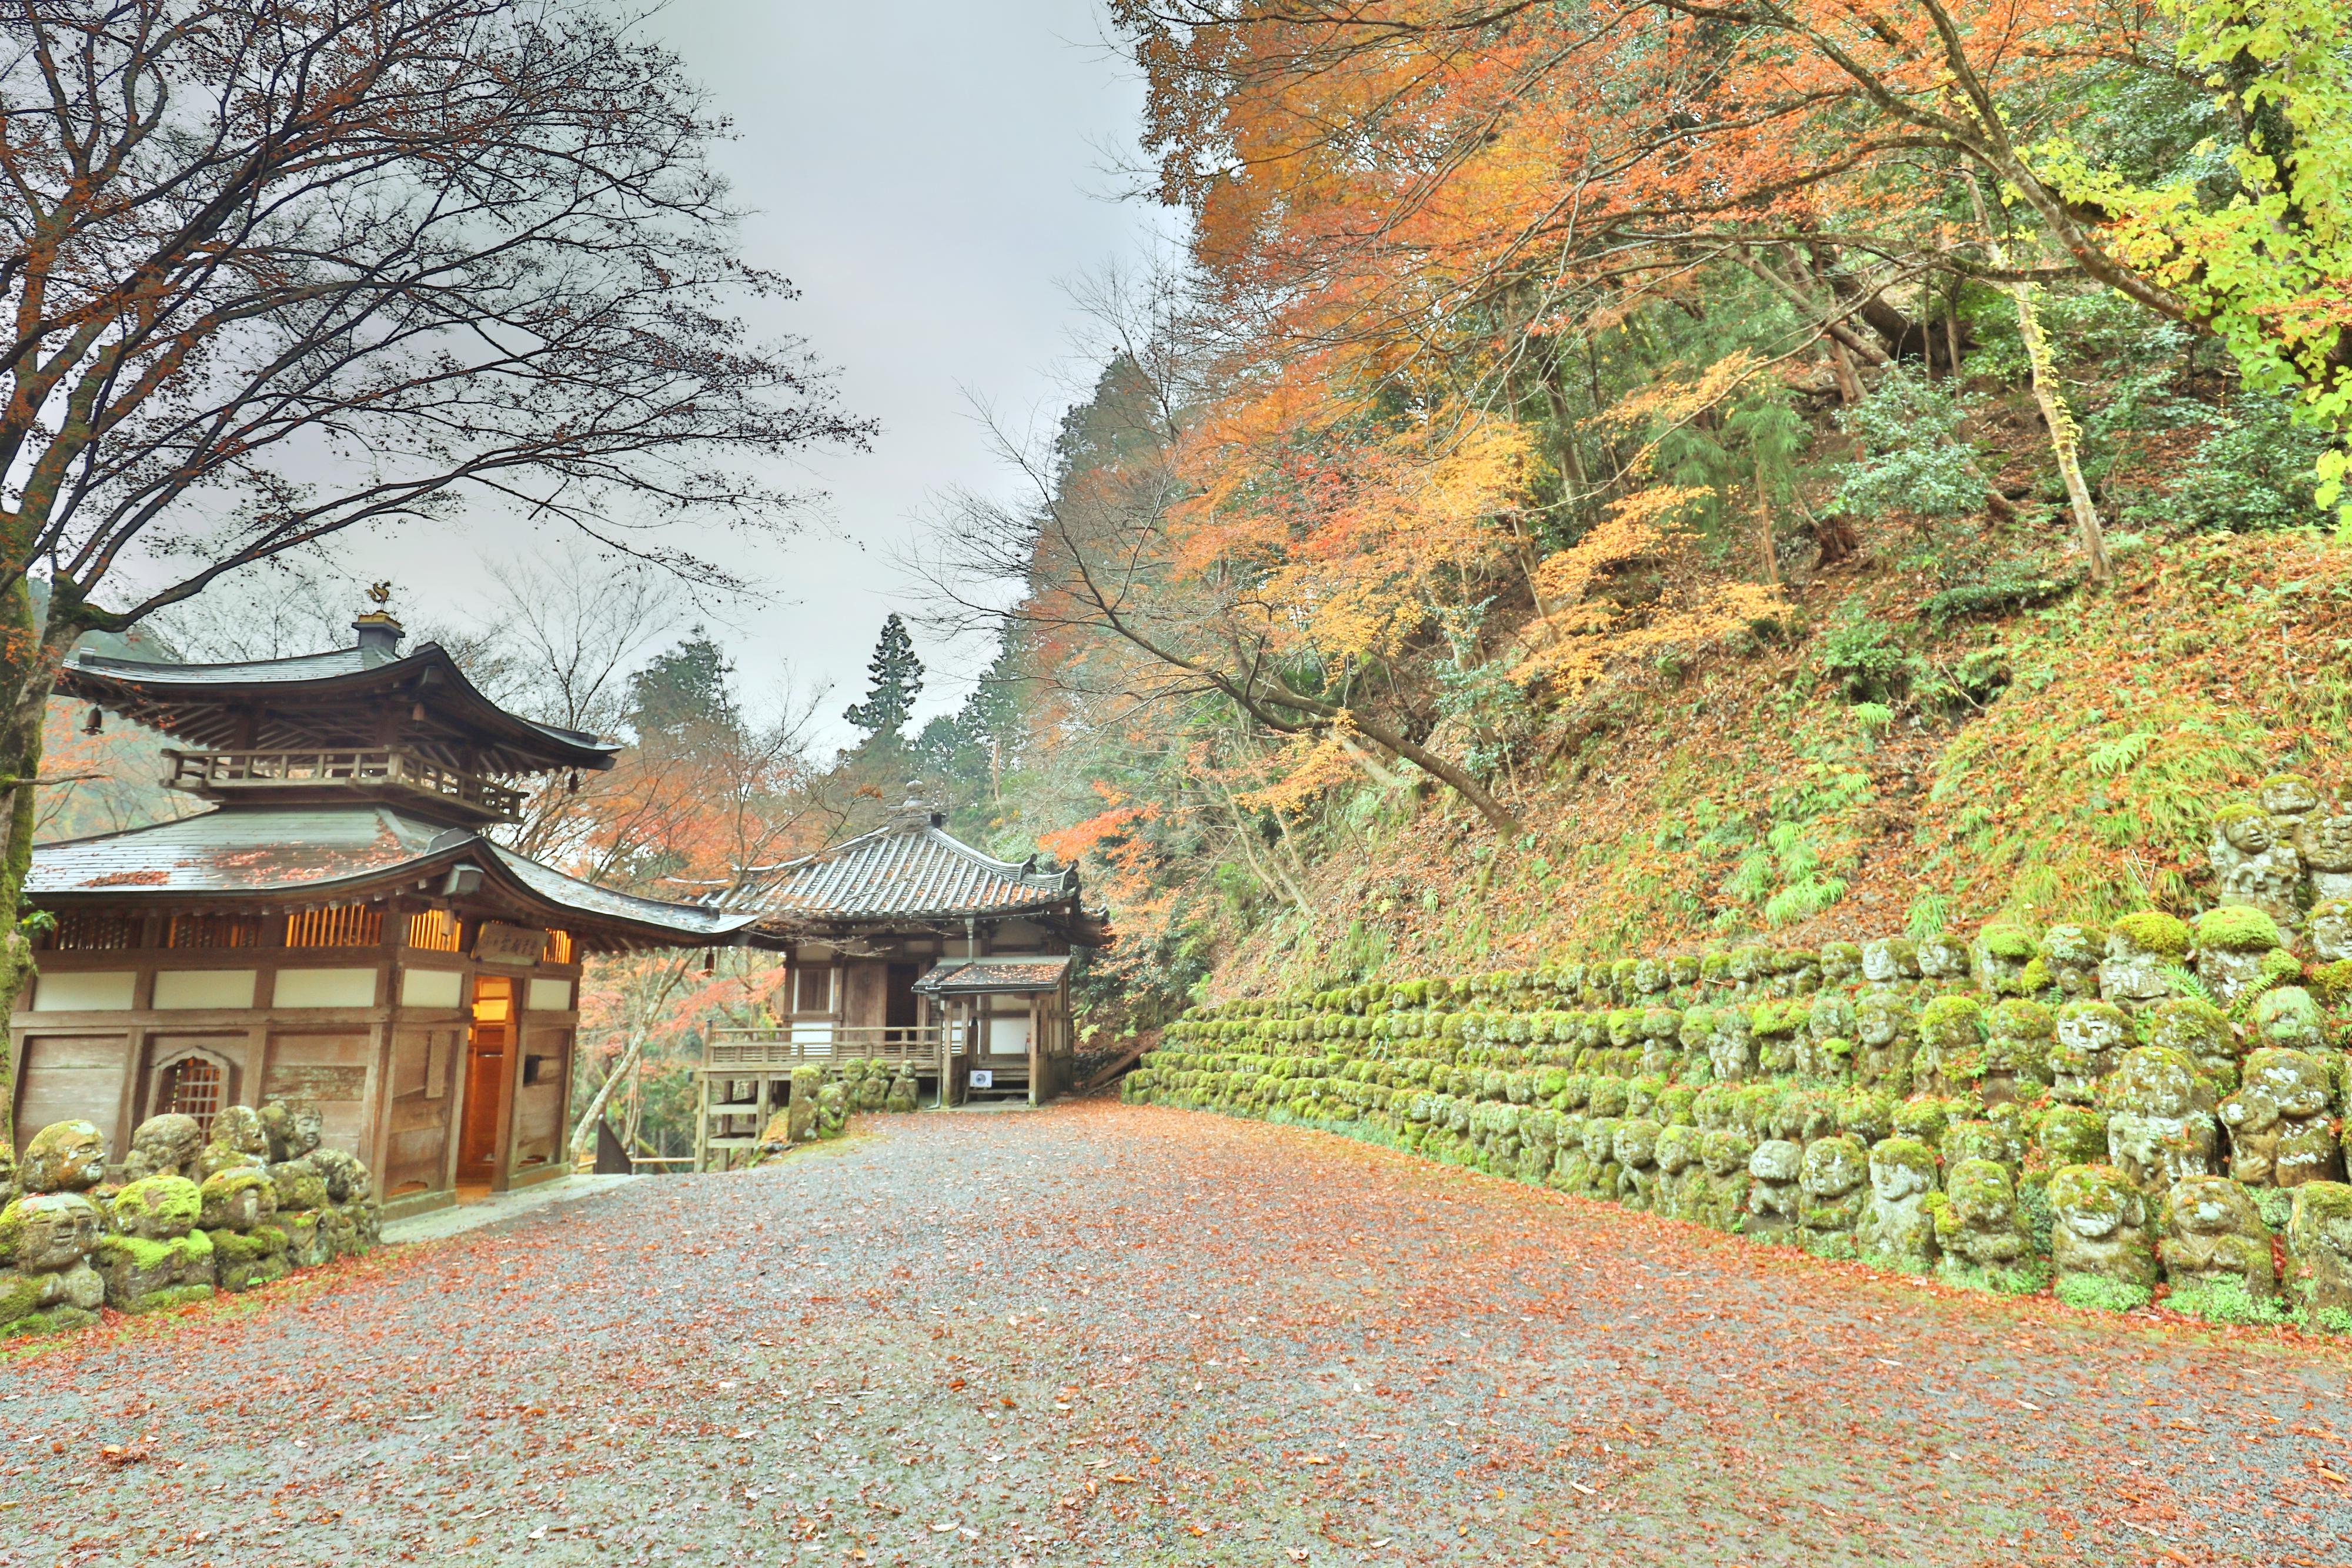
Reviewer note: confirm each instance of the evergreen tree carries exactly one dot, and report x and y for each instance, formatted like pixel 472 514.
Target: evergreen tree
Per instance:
pixel 682 689
pixel 894 680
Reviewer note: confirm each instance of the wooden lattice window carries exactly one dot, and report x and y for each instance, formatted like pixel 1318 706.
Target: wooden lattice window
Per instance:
pixel 192 1086
pixel 434 931
pixel 340 925
pixel 213 931
pixel 86 931
pixel 559 947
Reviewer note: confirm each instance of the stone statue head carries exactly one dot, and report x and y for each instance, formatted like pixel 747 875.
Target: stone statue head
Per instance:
pixel 292 1127
pixel 166 1143
pixel 2094 1202
pixel 2324 842
pixel 1841 963
pixel 1832 1168
pixel 2246 830
pixel 2288 795
pixel 1677 1149
pixel 2331 930
pixel 1636 1143
pixel 1776 1160
pixel 1726 1151
pixel 2214 1206
pixel 64 1157
pixel 1901 1168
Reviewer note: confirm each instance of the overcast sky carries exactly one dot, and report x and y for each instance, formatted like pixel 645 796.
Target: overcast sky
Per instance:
pixel 928 173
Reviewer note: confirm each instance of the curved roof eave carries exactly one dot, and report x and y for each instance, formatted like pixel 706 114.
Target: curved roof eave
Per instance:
pixel 341 672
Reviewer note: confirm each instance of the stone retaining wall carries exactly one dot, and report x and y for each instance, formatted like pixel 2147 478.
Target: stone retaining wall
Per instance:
pixel 189 1219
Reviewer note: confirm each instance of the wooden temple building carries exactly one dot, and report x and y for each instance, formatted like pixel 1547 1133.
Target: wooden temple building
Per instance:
pixel 908 947
pixel 336 927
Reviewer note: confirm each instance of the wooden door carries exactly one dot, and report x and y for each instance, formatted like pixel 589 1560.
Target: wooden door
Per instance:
pixel 488 1041
pixel 898 1004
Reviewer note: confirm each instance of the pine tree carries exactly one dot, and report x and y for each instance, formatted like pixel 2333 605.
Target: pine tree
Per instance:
pixel 894 680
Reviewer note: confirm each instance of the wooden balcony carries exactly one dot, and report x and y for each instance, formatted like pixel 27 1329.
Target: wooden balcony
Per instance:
pixel 308 776
pixel 753 1052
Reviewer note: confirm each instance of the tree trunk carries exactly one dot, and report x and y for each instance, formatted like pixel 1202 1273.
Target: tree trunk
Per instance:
pixel 640 1029
pixel 1497 816
pixel 30 653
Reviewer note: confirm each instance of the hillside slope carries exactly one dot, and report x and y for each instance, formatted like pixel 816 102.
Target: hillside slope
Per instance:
pixel 1866 770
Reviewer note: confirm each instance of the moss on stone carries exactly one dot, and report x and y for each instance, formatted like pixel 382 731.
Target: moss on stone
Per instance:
pixel 2236 928
pixel 2153 931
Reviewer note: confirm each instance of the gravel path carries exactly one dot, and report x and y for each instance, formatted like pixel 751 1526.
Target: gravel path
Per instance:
pixel 1100 1334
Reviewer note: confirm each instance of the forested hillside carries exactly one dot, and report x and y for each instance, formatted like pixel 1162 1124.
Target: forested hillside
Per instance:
pixel 1665 472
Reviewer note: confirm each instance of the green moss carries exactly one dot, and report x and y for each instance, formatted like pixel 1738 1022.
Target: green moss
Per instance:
pixel 2010 942
pixel 2154 931
pixel 2093 1294
pixel 2235 928
pixel 169 1300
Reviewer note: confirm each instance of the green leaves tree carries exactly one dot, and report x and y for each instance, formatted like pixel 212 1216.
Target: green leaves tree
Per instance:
pixel 894 679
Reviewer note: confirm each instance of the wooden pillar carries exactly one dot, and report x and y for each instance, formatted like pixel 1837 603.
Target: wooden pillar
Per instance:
pixel 701 1122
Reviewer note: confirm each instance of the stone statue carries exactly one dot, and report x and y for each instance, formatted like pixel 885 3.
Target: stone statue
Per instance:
pixel 2319 1254
pixel 1841 965
pixel 2280 1120
pixel 155 1259
pixel 2331 930
pixel 1833 1179
pixel 2072 1135
pixel 292 1127
pixel 1677 1153
pixel 167 1144
pixel 2099 1229
pixel 2200 1031
pixel 1943 962
pixel 1773 1197
pixel 2323 841
pixel 240 1142
pixel 2234 948
pixel 1890 961
pixel 2160 1123
pixel 2214 1235
pixel 1951 1039
pixel 2017 1058
pixel 1882 1035
pixel 2253 866
pixel 1980 1226
pixel 1721 1199
pixel 2091 1037
pixel 1896 1230
pixel 2140 948
pixel 1635 1147
pixel 48 1238
pixel 1731 1052
pixel 2073 954
pixel 64 1157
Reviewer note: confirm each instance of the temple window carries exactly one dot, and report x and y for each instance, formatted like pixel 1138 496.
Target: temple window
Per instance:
pixel 434 931
pixel 339 925
pixel 192 1086
pixel 213 931
pixel 82 931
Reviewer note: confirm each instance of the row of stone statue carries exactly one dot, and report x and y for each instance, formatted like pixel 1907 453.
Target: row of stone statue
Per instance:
pixel 191 1215
pixel 823 1098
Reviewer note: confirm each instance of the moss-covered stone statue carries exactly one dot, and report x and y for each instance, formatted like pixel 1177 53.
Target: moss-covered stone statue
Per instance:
pixel 155 1258
pixel 2102 1244
pixel 1833 1179
pixel 46 1283
pixel 1950 1058
pixel 2217 1251
pixel 2142 949
pixel 168 1145
pixel 2073 954
pixel 1895 1230
pixel 1985 1237
pixel 1885 1042
pixel 2253 866
pixel 239 1141
pixel 2200 1031
pixel 2280 1120
pixel 64 1157
pixel 2090 1039
pixel 239 1204
pixel 1774 1200
pixel 1719 1197
pixel 2160 1122
pixel 2238 951
pixel 2319 1255
pixel 1635 1146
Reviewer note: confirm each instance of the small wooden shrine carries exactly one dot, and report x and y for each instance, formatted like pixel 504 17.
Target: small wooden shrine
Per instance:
pixel 336 929
pixel 906 945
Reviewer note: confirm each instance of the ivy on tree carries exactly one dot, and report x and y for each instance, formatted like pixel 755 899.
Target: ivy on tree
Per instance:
pixel 894 680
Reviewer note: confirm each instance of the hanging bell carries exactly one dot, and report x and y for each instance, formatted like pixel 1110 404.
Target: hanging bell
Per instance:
pixel 416 713
pixel 96 722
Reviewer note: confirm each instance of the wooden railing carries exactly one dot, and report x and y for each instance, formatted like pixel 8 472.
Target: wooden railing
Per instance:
pixel 263 770
pixel 747 1051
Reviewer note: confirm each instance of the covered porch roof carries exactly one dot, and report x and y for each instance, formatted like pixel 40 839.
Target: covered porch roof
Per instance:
pixel 1014 975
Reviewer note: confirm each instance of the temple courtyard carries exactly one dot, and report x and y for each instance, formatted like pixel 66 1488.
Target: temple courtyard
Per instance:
pixel 1102 1335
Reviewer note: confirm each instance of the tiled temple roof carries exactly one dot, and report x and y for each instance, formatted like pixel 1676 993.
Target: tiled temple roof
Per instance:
pixel 910 869
pixel 315 854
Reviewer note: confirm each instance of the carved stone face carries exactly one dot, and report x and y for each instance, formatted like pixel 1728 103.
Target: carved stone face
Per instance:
pixel 2092 1030
pixel 1775 1159
pixel 1834 1167
pixel 167 1142
pixel 1649 975
pixel 57 1230
pixel 2325 842
pixel 64 1157
pixel 1892 1181
pixel 2209 1205
pixel 2288 795
pixel 2248 834
pixel 1636 1143
pixel 1877 1023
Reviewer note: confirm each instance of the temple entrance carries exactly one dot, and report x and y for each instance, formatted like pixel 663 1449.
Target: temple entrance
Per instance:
pixel 488 1041
pixel 899 1008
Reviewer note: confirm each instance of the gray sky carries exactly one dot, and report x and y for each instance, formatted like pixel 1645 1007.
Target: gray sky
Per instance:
pixel 928 173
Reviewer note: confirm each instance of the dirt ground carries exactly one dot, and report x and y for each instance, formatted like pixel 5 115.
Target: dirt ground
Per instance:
pixel 1105 1334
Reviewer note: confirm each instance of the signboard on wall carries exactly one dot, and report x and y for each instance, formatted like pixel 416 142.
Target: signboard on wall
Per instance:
pixel 982 1078
pixel 516 947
